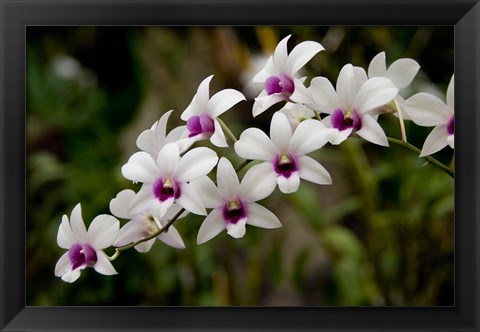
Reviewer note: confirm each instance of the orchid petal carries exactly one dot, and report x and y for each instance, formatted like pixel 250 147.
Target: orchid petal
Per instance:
pixel 258 183
pixel 102 231
pixel 172 238
pixel 119 206
pixel 280 131
pixel 261 104
pixel 280 56
pixel 142 200
pixel 77 224
pixel 103 265
pixel 218 137
pixel 223 101
pixel 309 136
pixel 378 66
pixel 238 229
pixel 326 99
pixel 259 216
pixel 301 54
pixel 374 93
pixel 63 265
pixel 145 246
pixel 140 168
pixel 266 72
pixel 168 159
pixel 427 110
pixel 207 190
pixel 451 96
pixel 346 88
pixel 65 236
pixel 372 131
pixel 435 141
pixel 190 200
pixel 132 231
pixel 227 179
pixel 255 144
pixel 290 184
pixel 402 72
pixel 71 275
pixel 211 226
pixel 199 101
pixel 313 171
pixel 195 163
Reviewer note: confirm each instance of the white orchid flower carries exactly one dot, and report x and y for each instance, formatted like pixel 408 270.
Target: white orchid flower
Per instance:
pixel 85 247
pixel 165 180
pixel 279 74
pixel 427 110
pixel 154 139
pixel 352 105
pixel 201 115
pixel 285 151
pixel 401 72
pixel 296 113
pixel 143 224
pixel 233 203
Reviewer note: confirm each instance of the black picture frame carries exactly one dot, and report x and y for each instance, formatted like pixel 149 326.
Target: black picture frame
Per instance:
pixel 15 15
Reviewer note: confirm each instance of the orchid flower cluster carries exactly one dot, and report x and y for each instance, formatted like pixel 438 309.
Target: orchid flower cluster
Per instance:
pixel 174 175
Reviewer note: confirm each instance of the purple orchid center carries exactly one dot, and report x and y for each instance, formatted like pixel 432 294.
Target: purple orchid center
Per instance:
pixel 279 84
pixel 285 165
pixel 345 120
pixel 164 189
pixel 451 126
pixel 82 255
pixel 200 124
pixel 233 211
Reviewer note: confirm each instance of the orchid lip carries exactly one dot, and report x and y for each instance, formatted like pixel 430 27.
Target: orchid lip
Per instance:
pixel 82 255
pixel 285 165
pixel 282 84
pixel 234 211
pixel 164 189
pixel 342 120
pixel 451 126
pixel 200 124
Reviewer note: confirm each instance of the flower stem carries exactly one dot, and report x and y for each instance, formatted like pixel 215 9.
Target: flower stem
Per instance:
pixel 430 159
pixel 227 130
pixel 400 119
pixel 317 116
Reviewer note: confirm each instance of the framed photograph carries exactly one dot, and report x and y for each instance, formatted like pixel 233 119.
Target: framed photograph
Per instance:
pixel 226 165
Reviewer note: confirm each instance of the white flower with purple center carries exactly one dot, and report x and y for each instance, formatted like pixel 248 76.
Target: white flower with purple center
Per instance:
pixel 143 224
pixel 201 115
pixel 427 110
pixel 85 247
pixel 352 105
pixel 401 72
pixel 285 151
pixel 154 139
pixel 233 203
pixel 278 75
pixel 165 180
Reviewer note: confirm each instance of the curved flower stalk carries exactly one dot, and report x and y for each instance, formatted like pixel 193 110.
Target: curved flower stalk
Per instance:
pixel 284 153
pixel 201 115
pixel 352 105
pixel 165 180
pixel 233 203
pixel 154 139
pixel 85 247
pixel 279 73
pixel 427 110
pixel 143 224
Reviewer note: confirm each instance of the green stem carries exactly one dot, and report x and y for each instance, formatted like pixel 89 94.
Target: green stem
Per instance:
pixel 430 159
pixel 317 116
pixel 400 119
pixel 227 130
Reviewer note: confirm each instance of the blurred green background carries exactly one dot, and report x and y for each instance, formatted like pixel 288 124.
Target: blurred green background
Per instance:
pixel 382 234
